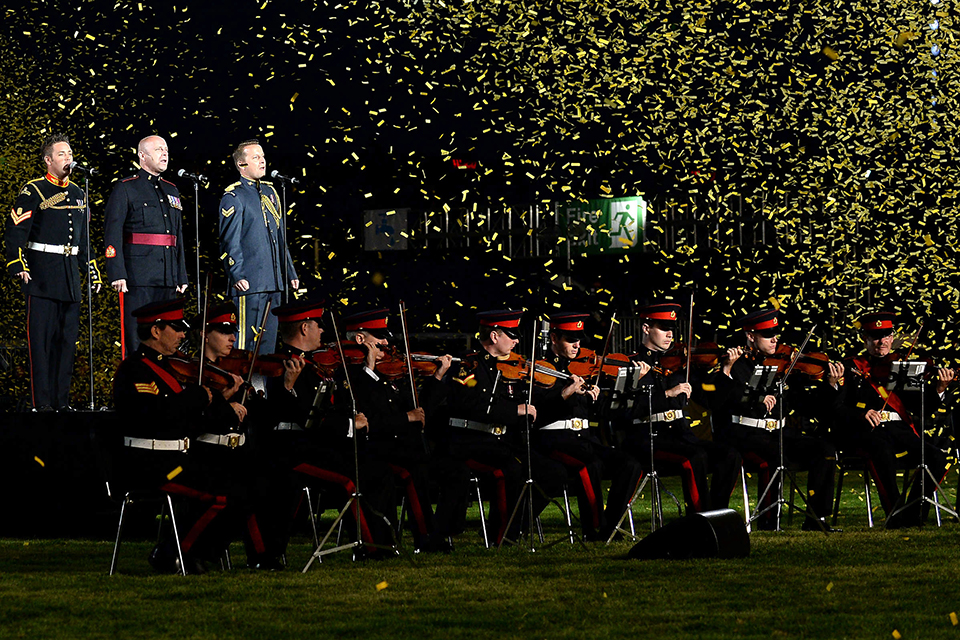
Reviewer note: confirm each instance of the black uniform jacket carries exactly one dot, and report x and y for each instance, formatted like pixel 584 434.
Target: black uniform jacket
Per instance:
pixel 50 212
pixel 150 401
pixel 145 204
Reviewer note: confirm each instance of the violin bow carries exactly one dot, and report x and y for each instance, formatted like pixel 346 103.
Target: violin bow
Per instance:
pixel 606 349
pixel 343 361
pixel 689 336
pixel 916 339
pixel 203 326
pixel 256 351
pixel 406 349
pixel 799 352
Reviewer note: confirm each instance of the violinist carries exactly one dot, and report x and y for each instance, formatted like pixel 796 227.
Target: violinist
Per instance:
pixel 886 431
pixel 487 415
pixel 312 437
pixel 395 436
pixel 162 417
pixel 676 447
pixel 748 417
pixel 563 435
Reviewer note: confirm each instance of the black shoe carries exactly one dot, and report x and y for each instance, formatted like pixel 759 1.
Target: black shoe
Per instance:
pixel 266 563
pixel 66 409
pixel 811 524
pixel 164 559
pixel 44 409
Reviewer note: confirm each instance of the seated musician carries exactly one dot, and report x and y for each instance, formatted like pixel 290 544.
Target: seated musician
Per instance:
pixel 313 438
pixel 161 417
pixel 676 448
pixel 563 434
pixel 749 419
pixel 886 430
pixel 395 436
pixel 487 422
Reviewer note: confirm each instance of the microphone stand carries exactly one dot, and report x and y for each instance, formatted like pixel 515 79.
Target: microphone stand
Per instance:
pixel 86 202
pixel 782 469
pixel 196 227
pixel 284 245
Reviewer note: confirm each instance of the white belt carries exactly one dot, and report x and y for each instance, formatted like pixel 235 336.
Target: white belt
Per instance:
pixel 495 429
pixel 663 416
pixel 157 445
pixel 576 424
pixel 889 416
pixel 759 423
pixel 288 426
pixel 232 440
pixel 62 249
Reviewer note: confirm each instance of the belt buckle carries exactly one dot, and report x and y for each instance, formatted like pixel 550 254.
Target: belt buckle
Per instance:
pixel 233 440
pixel 498 431
pixel 670 415
pixel 66 249
pixel 186 444
pixel 771 425
pixel 577 424
pixel 884 416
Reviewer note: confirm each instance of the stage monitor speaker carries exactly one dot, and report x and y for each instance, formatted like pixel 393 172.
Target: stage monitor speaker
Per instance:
pixel 711 534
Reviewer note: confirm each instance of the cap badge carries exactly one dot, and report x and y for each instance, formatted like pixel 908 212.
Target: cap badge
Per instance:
pixel 579 324
pixel 879 324
pixel 673 315
pixel 776 321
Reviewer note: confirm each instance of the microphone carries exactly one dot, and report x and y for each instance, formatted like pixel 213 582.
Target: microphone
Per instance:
pixel 279 176
pixel 544 337
pixel 90 171
pixel 196 177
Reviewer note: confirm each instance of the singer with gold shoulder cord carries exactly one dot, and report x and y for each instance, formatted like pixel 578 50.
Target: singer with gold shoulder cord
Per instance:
pixel 252 246
pixel 144 238
pixel 45 242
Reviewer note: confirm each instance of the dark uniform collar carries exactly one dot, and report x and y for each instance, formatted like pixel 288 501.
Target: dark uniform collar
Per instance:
pixel 149 353
pixel 288 350
pixel 152 179
pixel 56 181
pixel 250 183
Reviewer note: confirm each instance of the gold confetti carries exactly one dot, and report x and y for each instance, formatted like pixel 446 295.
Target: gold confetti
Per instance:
pixel 382 585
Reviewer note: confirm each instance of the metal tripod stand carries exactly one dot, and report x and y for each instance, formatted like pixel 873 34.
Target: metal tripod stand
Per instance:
pixel 922 469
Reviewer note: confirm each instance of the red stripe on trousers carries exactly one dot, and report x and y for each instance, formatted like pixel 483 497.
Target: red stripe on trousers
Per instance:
pixel 415 508
pixel 570 461
pixel 501 485
pixel 348 486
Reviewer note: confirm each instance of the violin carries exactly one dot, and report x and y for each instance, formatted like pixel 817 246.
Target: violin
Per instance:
pixel 880 370
pixel 813 365
pixel 394 365
pixel 587 363
pixel 238 363
pixel 705 355
pixel 187 370
pixel 545 374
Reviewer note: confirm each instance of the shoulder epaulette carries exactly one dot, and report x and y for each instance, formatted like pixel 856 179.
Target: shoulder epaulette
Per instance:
pixel 266 182
pixel 135 177
pixel 168 182
pixel 232 187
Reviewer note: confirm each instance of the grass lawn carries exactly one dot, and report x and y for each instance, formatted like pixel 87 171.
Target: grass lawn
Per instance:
pixel 861 583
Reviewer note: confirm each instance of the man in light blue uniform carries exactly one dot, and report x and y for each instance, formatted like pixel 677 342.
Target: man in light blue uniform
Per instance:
pixel 252 246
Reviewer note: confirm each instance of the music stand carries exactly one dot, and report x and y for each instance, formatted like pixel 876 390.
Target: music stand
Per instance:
pixel 782 469
pixel 526 494
pixel 355 498
pixel 908 374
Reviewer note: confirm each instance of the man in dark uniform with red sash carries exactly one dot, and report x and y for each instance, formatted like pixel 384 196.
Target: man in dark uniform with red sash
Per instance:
pixel 748 418
pixel 395 435
pixel 46 248
pixel 160 417
pixel 883 425
pixel 563 434
pixel 676 448
pixel 146 259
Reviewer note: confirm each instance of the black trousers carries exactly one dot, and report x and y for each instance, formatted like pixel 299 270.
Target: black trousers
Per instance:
pixel 133 299
pixel 52 330
pixel 678 451
pixel 502 464
pixel 893 446
pixel 588 462
pixel 417 473
pixel 760 451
